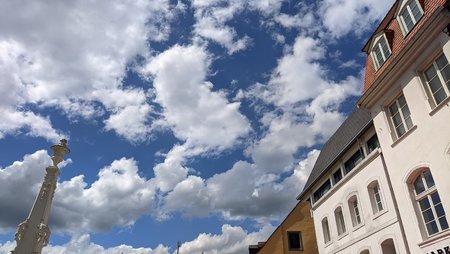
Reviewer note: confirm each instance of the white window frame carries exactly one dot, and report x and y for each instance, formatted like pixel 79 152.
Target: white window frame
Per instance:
pixel 403 119
pixel 426 194
pixel 406 6
pixel 441 79
pixel 376 197
pixel 377 45
pixel 326 231
pixel 340 221
pixel 355 211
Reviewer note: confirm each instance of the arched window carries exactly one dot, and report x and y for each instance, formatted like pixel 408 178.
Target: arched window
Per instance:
pixel 388 246
pixel 376 199
pixel 340 223
pixel 429 203
pixel 365 252
pixel 326 230
pixel 355 210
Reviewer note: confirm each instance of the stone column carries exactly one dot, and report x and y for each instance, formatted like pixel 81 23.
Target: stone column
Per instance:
pixel 33 234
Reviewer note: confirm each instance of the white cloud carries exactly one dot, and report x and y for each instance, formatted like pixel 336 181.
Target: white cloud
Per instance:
pixel 118 197
pixel 211 18
pixel 232 240
pixel 341 17
pixel 76 58
pixel 82 245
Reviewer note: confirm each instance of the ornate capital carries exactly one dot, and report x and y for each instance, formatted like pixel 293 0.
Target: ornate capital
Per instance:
pixel 59 150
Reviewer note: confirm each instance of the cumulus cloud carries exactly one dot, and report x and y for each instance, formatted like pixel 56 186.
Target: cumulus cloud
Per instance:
pixel 204 119
pixel 83 245
pixel 118 197
pixel 254 194
pixel 75 60
pixel 351 16
pixel 232 240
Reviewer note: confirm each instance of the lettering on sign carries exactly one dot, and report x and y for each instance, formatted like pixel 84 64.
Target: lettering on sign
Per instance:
pixel 445 250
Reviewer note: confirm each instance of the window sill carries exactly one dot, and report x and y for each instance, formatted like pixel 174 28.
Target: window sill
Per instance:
pixel 378 214
pixel 407 133
pixel 342 235
pixel 441 105
pixel 360 225
pixel 328 243
pixel 429 241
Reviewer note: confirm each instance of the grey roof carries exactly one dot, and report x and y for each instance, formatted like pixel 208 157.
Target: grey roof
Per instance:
pixel 341 140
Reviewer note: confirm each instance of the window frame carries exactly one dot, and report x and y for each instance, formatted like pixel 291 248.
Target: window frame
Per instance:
pixel 340 221
pixel 326 231
pixel 355 211
pixel 396 135
pixel 444 86
pixel 374 201
pixel 300 241
pixel 407 7
pixel 427 194
pixel 377 46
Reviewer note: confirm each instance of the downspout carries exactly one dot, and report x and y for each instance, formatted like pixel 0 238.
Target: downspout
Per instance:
pixel 391 190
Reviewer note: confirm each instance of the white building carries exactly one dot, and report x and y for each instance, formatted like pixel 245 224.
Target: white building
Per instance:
pixel 397 197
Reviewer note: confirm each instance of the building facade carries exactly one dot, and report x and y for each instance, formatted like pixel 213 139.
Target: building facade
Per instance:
pixel 407 91
pixel 295 235
pixel 353 208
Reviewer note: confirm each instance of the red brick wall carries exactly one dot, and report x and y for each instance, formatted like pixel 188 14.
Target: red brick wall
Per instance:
pixel 398 41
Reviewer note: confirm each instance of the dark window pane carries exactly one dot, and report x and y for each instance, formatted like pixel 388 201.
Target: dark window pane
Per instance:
pixel 353 161
pixel 372 143
pixel 428 215
pixel 429 179
pixel 418 185
pixel 444 223
pixel 435 198
pixel 337 176
pixel 440 96
pixel 439 210
pixel 400 130
pixel 322 190
pixel 294 240
pixel 432 228
pixel 424 204
pixel 430 73
pixel 435 84
pixel 441 61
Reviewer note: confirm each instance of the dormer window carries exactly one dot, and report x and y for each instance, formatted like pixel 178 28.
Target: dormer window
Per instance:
pixel 380 51
pixel 409 14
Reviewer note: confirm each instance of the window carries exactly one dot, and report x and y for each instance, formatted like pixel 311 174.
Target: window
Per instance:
pixel 429 203
pixel 354 211
pixel 337 176
pixel 388 246
pixel 326 230
pixel 340 223
pixel 375 197
pixel 295 240
pixel 356 158
pixel 372 144
pixel 381 52
pixel 437 77
pixel 365 252
pixel 410 15
pixel 400 116
pixel 322 190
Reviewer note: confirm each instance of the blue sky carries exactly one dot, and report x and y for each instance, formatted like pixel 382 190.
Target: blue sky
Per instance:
pixel 193 121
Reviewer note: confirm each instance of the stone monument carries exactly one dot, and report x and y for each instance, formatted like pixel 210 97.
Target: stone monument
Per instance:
pixel 33 234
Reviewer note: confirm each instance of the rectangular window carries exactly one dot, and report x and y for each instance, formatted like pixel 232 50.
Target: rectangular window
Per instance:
pixel 372 143
pixel 437 77
pixel 337 176
pixel 322 190
pixel 400 116
pixel 353 161
pixel 356 213
pixel 381 52
pixel 295 240
pixel 410 15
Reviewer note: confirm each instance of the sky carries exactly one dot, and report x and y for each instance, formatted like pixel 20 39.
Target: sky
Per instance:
pixel 195 122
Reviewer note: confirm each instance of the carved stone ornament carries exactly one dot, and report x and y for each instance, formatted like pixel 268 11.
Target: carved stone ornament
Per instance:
pixel 45 190
pixel 59 150
pixel 43 234
pixel 21 231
